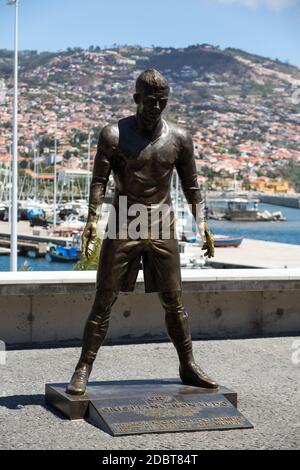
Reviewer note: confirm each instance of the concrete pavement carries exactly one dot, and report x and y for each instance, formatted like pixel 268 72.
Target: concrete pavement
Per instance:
pixel 264 372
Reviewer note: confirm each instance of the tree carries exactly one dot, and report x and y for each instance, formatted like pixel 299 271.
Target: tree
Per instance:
pixel 67 154
pixel 246 184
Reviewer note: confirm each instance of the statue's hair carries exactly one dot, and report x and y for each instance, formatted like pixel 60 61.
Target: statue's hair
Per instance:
pixel 151 79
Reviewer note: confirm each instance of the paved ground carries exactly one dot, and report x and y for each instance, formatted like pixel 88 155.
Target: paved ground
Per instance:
pixel 260 370
pixel 258 254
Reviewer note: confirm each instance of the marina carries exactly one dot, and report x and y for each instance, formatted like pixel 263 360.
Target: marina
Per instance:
pixel 243 210
pixel 32 243
pixel 238 243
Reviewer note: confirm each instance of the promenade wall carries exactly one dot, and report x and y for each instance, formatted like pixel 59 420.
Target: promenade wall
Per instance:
pixel 51 307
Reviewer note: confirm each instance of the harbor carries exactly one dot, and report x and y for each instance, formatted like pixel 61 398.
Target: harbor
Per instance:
pixel 31 242
pixel 263 245
pixel 283 200
pixel 247 232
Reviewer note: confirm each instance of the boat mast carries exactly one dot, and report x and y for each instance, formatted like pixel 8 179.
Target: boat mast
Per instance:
pixel 55 188
pixel 35 170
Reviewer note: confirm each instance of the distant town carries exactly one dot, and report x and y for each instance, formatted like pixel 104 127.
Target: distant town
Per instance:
pixel 243 112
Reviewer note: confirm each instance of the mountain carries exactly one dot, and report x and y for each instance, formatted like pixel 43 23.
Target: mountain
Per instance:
pixel 240 107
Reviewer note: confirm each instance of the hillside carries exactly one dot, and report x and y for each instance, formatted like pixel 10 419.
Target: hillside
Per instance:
pixel 243 109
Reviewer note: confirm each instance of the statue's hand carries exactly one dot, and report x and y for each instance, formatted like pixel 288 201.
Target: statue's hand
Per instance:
pixel 88 238
pixel 208 245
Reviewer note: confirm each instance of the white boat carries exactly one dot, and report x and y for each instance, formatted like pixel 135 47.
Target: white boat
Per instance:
pixel 72 222
pixel 191 262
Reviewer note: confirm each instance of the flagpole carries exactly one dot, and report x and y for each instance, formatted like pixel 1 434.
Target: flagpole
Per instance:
pixel 88 164
pixel 14 191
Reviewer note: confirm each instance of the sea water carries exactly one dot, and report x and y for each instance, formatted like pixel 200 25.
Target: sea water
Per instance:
pixel 282 232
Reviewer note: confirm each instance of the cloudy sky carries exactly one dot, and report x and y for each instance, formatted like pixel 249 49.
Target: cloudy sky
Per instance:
pixel 266 27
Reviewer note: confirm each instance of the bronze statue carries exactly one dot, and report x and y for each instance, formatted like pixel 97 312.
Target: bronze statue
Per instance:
pixel 142 151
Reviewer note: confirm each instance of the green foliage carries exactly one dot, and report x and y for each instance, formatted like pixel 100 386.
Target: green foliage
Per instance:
pixel 6 68
pixel 246 184
pixel 6 125
pixel 208 172
pixel 23 164
pixel 254 136
pixel 6 54
pixel 79 137
pixel 246 55
pixel 234 150
pixel 252 88
pixel 25 267
pixel 212 60
pixel 293 146
pixel 67 154
pixel 91 263
pixel 46 141
pixel 292 174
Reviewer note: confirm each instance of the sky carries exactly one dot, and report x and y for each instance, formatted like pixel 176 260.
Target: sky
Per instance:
pixel 270 28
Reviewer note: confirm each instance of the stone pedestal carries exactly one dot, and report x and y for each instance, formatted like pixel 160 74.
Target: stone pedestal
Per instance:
pixel 149 406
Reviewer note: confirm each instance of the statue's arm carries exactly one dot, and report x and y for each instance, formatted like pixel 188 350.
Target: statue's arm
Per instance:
pixel 186 168
pixel 101 171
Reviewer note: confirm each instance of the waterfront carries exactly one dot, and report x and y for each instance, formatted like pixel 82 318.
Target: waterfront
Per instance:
pixel 281 232
pixel 39 264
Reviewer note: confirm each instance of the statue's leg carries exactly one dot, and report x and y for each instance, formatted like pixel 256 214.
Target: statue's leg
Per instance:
pixel 179 331
pixel 94 333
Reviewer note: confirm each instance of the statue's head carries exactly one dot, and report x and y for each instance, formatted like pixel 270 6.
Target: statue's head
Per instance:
pixel 151 96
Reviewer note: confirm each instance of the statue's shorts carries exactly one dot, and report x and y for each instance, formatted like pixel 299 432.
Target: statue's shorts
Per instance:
pixel 120 261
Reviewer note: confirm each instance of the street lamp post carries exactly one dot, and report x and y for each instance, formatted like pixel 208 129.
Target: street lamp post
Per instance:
pixel 10 185
pixel 14 191
pixel 55 184
pixel 35 167
pixel 88 164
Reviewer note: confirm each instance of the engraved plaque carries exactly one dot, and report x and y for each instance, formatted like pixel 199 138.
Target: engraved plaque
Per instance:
pixel 165 413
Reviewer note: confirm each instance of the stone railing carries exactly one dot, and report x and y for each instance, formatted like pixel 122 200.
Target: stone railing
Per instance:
pixel 51 307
